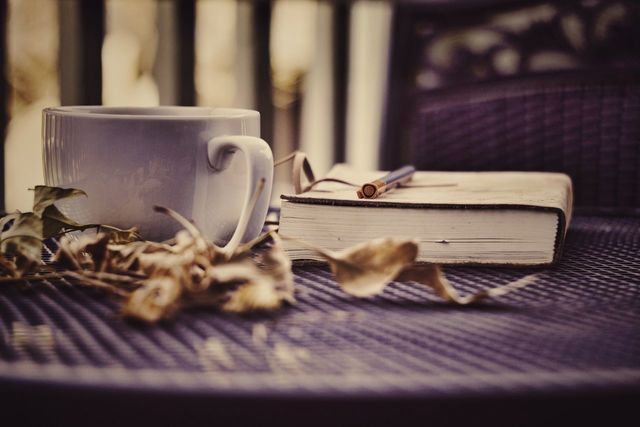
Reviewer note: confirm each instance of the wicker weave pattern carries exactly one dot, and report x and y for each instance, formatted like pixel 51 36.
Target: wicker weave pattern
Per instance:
pixel 589 130
pixel 576 327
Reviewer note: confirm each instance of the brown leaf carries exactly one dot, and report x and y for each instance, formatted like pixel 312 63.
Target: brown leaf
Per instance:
pixel 246 248
pixel 365 269
pixel 278 265
pixel 55 222
pixel 86 252
pixel 119 236
pixel 97 280
pixel 202 246
pixel 431 275
pixel 8 268
pixel 45 196
pixel 23 242
pixel 188 225
pixel 245 287
pixel 156 299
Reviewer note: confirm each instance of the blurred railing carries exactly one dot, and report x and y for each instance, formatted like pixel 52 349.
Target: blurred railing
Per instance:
pixel 3 94
pixel 82 30
pixel 361 108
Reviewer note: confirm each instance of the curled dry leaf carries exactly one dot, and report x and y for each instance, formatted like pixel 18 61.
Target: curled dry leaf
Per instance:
pixel 45 196
pixel 194 239
pixel 365 269
pixel 156 299
pixel 249 287
pixel 54 221
pixel 120 236
pixel 278 264
pixel 83 253
pixel 431 275
pixel 21 244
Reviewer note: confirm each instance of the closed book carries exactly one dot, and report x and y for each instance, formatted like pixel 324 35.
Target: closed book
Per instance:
pixel 494 218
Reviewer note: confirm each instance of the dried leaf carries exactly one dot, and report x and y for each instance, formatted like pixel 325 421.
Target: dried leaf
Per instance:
pixel 55 222
pixel 365 269
pixel 98 251
pixel 120 236
pixel 431 276
pixel 201 244
pixel 45 196
pixel 278 264
pixel 23 242
pixel 156 299
pixel 245 248
pixel 86 279
pixel 8 268
pixel 86 252
pixel 5 220
pixel 244 287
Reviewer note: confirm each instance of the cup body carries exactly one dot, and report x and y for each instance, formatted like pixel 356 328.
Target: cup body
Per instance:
pixel 129 159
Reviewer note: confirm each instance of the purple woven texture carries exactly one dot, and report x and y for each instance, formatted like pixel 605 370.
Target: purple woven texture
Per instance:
pixel 578 327
pixel 587 130
pixel 543 85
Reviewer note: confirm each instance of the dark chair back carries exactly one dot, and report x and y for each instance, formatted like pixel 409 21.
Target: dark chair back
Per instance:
pixel 482 93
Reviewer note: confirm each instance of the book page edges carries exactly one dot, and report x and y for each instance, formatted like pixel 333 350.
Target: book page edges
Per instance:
pixel 542 191
pixel 562 219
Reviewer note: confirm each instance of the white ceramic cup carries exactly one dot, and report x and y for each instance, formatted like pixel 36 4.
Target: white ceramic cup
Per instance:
pixel 202 162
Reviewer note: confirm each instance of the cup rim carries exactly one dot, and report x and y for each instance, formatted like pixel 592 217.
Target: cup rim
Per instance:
pixel 149 113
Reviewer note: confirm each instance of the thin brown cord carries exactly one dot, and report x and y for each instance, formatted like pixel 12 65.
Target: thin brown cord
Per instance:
pixel 300 167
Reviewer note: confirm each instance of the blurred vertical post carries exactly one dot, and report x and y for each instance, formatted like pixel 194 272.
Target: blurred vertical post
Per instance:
pixel 81 35
pixel 175 61
pixel 369 36
pixel 4 101
pixel 340 77
pixel 262 64
pixel 319 87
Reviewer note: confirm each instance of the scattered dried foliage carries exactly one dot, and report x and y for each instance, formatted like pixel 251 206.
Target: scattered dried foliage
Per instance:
pixel 157 279
pixel 21 234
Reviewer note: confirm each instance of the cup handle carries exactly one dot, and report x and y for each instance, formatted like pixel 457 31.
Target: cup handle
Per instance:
pixel 259 161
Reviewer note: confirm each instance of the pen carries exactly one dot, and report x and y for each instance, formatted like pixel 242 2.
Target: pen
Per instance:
pixel 373 189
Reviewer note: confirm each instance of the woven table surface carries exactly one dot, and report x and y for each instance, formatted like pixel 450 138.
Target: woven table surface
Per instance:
pixel 576 328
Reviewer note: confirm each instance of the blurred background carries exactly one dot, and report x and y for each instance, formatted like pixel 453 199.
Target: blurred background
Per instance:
pixel 286 58
pixel 341 80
